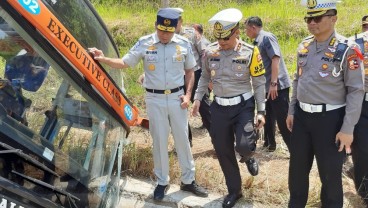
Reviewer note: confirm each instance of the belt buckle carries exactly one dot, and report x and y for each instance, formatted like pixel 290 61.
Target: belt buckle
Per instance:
pixel 166 92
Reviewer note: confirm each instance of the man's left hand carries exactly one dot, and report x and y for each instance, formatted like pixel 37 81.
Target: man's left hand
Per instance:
pixel 185 100
pixel 345 141
pixel 260 121
pixel 272 92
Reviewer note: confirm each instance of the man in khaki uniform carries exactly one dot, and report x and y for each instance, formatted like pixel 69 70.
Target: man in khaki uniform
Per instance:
pixel 166 58
pixel 328 90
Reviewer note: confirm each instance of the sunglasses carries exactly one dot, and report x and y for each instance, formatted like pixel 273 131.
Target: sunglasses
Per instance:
pixel 317 19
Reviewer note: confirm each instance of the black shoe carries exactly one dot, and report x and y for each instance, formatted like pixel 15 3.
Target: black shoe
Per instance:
pixel 230 200
pixel 194 188
pixel 159 192
pixel 252 166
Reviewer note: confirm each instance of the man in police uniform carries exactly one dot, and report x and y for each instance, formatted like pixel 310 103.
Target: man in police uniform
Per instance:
pixel 235 69
pixel 277 81
pixel 325 105
pixel 360 143
pixel 365 23
pixel 166 57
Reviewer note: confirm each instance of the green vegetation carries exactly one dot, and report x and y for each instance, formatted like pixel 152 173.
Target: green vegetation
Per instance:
pixel 128 20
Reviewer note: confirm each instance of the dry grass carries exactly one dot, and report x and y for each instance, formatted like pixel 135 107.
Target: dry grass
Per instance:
pixel 269 188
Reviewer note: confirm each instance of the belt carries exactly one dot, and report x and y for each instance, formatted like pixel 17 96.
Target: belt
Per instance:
pixel 310 108
pixel 234 100
pixel 166 92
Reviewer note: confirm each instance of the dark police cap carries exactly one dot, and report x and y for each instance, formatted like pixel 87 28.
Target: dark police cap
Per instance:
pixel 167 19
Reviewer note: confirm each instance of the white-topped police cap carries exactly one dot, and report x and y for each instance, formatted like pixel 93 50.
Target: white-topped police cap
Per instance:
pixel 318 7
pixel 167 19
pixel 225 21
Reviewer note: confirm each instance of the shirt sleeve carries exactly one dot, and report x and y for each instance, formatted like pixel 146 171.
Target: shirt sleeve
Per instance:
pixel 190 61
pixel 134 55
pixel 272 47
pixel 257 72
pixel 204 79
pixel 354 83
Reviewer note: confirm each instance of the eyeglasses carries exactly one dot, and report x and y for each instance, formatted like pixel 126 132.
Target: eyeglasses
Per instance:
pixel 317 19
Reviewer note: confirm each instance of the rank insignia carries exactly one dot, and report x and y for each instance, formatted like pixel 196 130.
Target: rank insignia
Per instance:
pixel 306 44
pixel 179 58
pixel 151 48
pixel 151 67
pixel 213 73
pixel 324 66
pixel 304 51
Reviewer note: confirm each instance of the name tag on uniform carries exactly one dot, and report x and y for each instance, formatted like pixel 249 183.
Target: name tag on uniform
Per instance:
pixel 152 59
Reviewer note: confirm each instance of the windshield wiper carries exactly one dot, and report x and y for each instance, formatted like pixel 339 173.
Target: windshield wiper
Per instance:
pixel 20 153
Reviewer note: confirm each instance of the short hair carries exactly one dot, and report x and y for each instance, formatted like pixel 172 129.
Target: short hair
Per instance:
pixel 365 20
pixel 199 28
pixel 332 12
pixel 254 21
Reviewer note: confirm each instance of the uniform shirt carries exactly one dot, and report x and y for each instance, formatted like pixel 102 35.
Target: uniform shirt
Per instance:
pixel 269 47
pixel 365 62
pixel 233 72
pixel 198 43
pixel 164 64
pixel 318 80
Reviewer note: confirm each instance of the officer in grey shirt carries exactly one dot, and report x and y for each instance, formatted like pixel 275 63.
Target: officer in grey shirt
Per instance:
pixel 236 70
pixel 360 143
pixel 277 81
pixel 328 90
pixel 166 57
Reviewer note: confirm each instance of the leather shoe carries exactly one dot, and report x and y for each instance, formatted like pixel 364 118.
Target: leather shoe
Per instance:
pixel 252 166
pixel 230 200
pixel 159 192
pixel 194 188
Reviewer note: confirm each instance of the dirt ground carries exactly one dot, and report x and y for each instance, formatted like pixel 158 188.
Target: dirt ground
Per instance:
pixel 269 188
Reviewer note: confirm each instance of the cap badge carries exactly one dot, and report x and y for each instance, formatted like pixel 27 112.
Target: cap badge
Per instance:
pixel 167 22
pixel 311 4
pixel 218 26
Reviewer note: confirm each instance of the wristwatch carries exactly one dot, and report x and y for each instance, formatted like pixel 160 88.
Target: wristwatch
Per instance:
pixel 274 83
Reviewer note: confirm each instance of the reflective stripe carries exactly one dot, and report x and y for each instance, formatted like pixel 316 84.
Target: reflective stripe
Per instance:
pixel 234 100
pixel 310 108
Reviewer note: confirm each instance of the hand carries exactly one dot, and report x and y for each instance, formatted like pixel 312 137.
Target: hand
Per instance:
pixel 140 79
pixel 195 108
pixel 272 92
pixel 260 121
pixel 185 100
pixel 345 140
pixel 97 54
pixel 290 122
